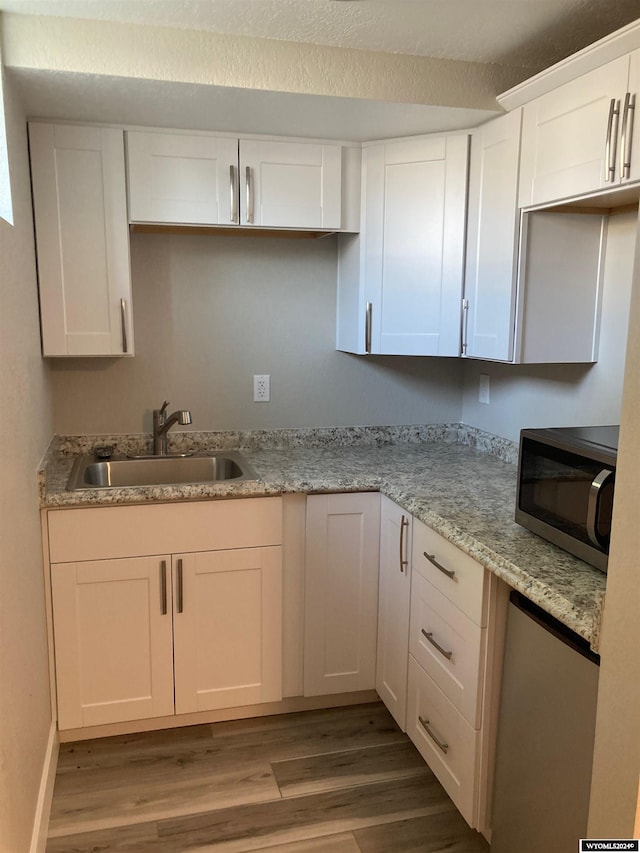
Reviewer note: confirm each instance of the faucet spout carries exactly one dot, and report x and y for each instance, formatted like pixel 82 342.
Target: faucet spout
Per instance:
pixel 162 423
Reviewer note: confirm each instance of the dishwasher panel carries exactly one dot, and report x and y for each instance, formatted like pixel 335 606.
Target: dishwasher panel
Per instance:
pixel 545 735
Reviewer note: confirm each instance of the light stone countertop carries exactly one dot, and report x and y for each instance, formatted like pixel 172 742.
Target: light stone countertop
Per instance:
pixel 437 474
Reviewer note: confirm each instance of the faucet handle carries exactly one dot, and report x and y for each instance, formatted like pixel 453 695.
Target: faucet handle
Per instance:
pixel 163 407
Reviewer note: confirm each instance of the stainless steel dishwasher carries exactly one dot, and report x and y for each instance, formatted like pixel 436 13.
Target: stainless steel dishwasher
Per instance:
pixel 545 735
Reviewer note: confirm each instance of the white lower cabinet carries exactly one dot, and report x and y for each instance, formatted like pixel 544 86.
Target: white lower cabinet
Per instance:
pixel 227 628
pixel 113 641
pixel 446 741
pixel 438 648
pixel 131 629
pixel 448 641
pixel 341 592
pixel 393 609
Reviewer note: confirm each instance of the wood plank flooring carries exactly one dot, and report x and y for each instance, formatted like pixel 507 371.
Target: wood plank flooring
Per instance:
pixel 344 780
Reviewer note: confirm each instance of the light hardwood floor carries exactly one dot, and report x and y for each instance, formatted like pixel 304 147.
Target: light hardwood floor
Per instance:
pixel 344 780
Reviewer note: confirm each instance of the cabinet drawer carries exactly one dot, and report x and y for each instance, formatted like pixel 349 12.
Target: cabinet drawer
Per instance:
pixel 454 761
pixel 104 533
pixel 458 577
pixel 448 645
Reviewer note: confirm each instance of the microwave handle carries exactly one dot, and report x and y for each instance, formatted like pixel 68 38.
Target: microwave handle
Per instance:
pixel 594 503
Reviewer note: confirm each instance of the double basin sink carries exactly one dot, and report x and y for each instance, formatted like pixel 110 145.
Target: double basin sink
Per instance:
pixel 120 472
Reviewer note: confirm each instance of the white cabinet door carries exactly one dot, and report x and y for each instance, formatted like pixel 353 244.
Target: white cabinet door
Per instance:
pixel 492 240
pixel 290 184
pixel 341 593
pixel 227 628
pixel 564 137
pixel 113 640
pixel 393 609
pixel 182 178
pixel 414 244
pixel 82 236
pixel 630 151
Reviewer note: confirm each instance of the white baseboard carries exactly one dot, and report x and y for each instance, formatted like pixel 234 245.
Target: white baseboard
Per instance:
pixel 45 794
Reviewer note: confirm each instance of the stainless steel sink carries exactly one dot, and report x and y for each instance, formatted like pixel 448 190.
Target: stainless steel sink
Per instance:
pixel 87 473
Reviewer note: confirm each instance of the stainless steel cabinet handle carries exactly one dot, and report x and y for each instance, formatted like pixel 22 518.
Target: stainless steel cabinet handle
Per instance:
pixel 249 189
pixel 123 322
pixel 432 559
pixel 163 587
pixel 465 324
pixel 626 138
pixel 593 504
pixel 443 652
pixel 180 606
pixel 404 523
pixel 439 743
pixel 367 327
pixel 233 193
pixel 610 145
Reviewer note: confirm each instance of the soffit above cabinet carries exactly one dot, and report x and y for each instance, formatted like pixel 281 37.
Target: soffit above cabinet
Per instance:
pixel 161 104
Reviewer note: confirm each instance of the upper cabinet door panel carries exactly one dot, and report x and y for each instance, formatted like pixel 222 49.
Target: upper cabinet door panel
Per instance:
pixel 628 156
pixel 79 195
pixel 564 142
pixel 414 249
pixel 492 240
pixel 182 178
pixel 290 184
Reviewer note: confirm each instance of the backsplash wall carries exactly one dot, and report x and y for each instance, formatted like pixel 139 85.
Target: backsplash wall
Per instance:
pixel 211 311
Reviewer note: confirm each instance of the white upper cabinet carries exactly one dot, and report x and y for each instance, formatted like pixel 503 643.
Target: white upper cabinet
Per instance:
pixel 578 138
pixel 521 260
pixel 175 177
pixel 82 237
pixel 201 179
pixel 400 285
pixel 290 184
pixel 492 240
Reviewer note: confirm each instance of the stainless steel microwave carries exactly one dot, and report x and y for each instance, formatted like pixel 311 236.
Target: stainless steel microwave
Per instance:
pixel 566 481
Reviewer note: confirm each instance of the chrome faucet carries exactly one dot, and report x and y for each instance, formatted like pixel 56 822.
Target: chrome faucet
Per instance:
pixel 162 423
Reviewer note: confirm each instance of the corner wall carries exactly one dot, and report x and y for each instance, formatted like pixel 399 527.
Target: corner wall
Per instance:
pixel 25 430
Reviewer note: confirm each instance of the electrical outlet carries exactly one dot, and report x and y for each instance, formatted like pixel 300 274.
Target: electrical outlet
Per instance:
pixel 483 392
pixel 261 388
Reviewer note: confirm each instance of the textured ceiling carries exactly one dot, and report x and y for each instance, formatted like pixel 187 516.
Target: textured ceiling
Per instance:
pixel 524 33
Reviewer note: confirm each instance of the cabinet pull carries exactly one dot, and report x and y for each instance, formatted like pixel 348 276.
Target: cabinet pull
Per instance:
pixel 436 645
pixel 180 584
pixel 439 743
pixel 465 324
pixel 233 193
pixel 123 324
pixel 626 137
pixel 610 146
pixel 432 559
pixel 367 327
pixel 163 587
pixel 404 523
pixel 249 194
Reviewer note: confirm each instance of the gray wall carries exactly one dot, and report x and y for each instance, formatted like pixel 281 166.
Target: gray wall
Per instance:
pixel 556 395
pixel 211 311
pixel 25 430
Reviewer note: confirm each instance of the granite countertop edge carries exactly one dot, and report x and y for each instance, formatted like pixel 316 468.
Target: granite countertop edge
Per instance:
pixel 538 569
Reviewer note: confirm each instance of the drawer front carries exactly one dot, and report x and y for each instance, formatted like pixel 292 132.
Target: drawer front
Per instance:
pixel 109 532
pixel 448 645
pixel 456 575
pixel 430 718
